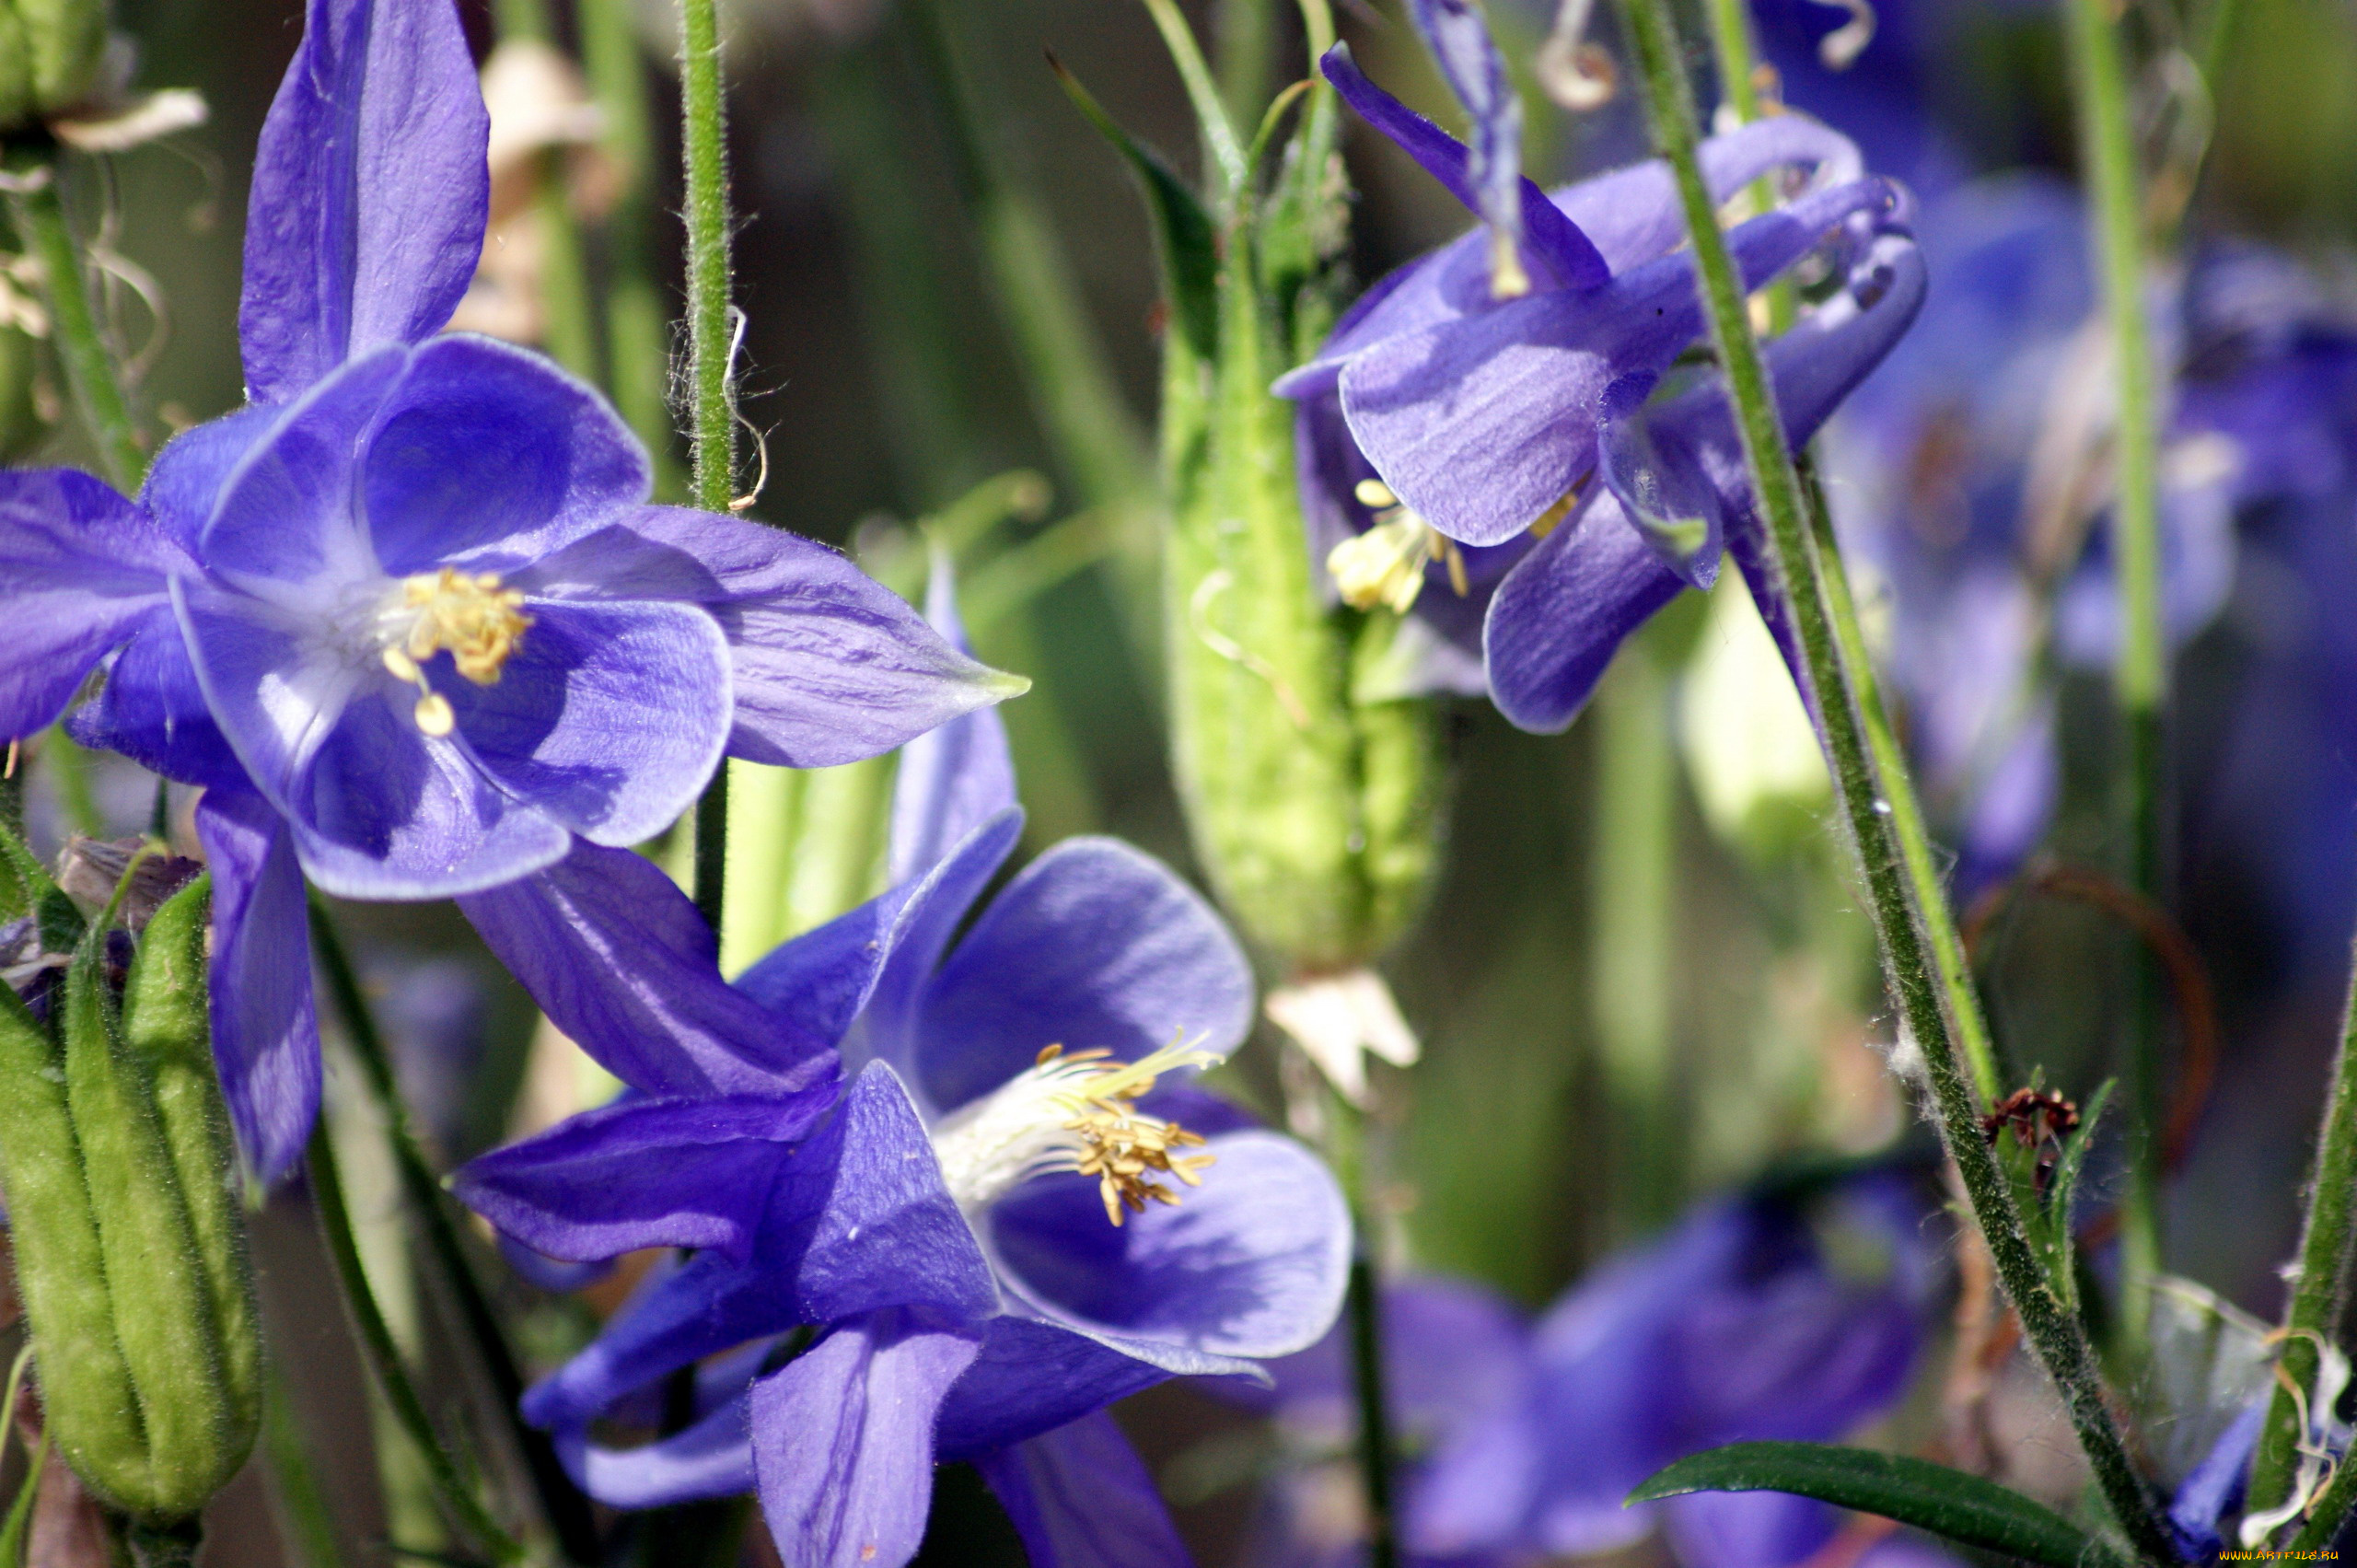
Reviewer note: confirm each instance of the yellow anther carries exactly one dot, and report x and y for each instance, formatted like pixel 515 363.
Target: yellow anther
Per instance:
pixel 477 619
pixel 1385 565
pixel 1375 493
pixel 1121 1146
pixel 433 714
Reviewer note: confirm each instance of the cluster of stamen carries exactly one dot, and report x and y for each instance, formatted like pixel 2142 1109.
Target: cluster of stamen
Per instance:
pixel 1076 1112
pixel 472 615
pixel 1385 565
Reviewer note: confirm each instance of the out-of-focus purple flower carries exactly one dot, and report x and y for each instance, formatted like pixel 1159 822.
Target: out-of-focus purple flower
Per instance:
pixel 409 617
pixel 1755 1318
pixel 1971 476
pixel 998 1225
pixel 1451 438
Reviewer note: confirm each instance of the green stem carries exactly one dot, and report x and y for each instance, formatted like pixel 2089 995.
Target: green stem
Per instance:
pixel 1244 39
pixel 172 1545
pixel 1633 876
pixel 384 1357
pixel 2141 671
pixel 566 1510
pixel 33 174
pixel 305 1524
pixel 711 397
pixel 1795 577
pixel 2320 1288
pixel 69 769
pixel 1375 1419
pixel 1908 826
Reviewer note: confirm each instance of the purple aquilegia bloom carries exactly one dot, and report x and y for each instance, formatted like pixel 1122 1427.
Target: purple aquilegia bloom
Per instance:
pixel 1970 477
pixel 408 616
pixel 984 1239
pixel 1757 1317
pixel 1452 430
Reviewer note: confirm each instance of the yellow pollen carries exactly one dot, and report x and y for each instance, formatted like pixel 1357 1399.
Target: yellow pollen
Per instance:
pixel 433 714
pixel 1385 565
pixel 1121 1146
pixel 478 621
pixel 1375 493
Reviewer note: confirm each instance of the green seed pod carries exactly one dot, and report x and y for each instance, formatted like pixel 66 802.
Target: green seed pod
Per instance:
pixel 49 54
pixel 116 1158
pixel 1312 803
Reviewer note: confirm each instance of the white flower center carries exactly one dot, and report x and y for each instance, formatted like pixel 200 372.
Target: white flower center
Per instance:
pixel 1074 1113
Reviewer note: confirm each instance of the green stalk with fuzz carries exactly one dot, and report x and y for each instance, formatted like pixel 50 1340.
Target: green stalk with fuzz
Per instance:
pixel 1795 575
pixel 2320 1289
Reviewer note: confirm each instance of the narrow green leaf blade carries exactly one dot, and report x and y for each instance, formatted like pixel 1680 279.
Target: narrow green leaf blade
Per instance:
pixel 1182 225
pixel 1913 1492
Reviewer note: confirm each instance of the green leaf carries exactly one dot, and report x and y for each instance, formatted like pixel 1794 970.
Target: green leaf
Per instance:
pixel 1913 1492
pixel 1182 227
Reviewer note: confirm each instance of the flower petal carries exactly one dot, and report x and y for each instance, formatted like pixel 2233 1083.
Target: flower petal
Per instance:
pixel 1080 1497
pixel 1665 489
pixel 643 1173
pixel 712 1458
pixel 1556 252
pixel 1482 424
pixel 1633 216
pixel 265 1027
pixel 379 809
pixel 490 451
pixel 287 512
pixel 955 777
pixel 369 193
pixel 829 666
pixel 1560 617
pixel 1095 945
pixel 1034 1377
pixel 1251 1263
pixel 886 1232
pixel 607 717
pixel 184 482
pixel 80 567
pixel 1749 1529
pixel 888 1029
pixel 152 710
pixel 843 1441
pixel 621 961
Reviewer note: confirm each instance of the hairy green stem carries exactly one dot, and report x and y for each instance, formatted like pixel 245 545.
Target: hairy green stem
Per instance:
pixel 566 1510
pixel 33 174
pixel 2320 1289
pixel 2140 679
pixel 1795 574
pixel 711 397
pixel 384 1356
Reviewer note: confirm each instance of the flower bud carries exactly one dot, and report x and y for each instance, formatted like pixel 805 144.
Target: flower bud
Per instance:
pixel 51 52
pixel 115 1154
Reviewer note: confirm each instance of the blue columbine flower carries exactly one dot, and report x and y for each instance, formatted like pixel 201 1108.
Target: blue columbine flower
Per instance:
pixel 1969 478
pixel 1757 1317
pixel 1452 432
pixel 409 617
pixel 1007 1218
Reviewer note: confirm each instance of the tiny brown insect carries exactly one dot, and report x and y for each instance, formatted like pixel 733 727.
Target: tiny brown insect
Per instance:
pixel 2035 1116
